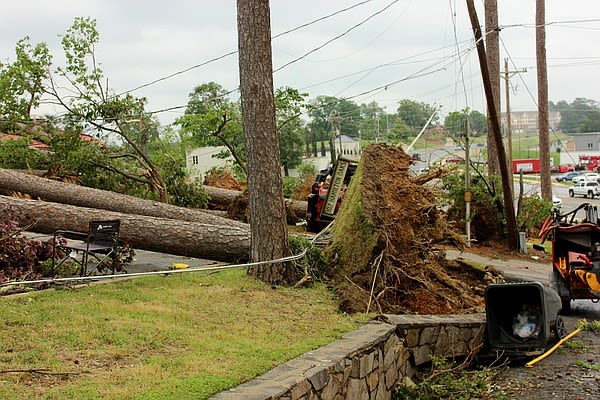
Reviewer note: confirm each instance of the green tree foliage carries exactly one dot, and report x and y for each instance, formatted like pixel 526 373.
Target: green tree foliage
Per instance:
pixel 289 105
pixel 454 123
pixel 17 154
pixel 98 109
pixel 21 83
pixel 370 124
pixel 212 119
pixel 486 221
pixel 328 113
pixel 532 212
pixel 582 115
pixel 182 192
pixel 416 114
pixel 118 158
pixel 399 130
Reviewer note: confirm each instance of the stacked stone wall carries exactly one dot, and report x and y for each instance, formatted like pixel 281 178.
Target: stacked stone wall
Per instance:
pixel 368 363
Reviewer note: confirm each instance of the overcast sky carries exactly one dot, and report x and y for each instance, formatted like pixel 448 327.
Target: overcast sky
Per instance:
pixel 382 50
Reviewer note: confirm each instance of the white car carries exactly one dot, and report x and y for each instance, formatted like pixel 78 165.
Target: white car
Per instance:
pixel 589 189
pixel 587 177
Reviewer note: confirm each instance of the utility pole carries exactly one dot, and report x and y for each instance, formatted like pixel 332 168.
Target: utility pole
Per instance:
pixel 507 190
pixel 492 47
pixel 542 81
pixel 507 75
pixel 468 194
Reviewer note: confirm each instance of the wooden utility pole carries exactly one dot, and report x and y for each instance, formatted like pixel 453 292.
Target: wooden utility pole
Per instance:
pixel 507 190
pixel 507 75
pixel 493 60
pixel 542 82
pixel 508 121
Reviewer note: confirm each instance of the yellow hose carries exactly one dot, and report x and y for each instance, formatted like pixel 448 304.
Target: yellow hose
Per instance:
pixel 556 346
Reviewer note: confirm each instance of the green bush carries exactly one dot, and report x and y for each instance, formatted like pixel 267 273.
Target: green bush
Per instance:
pixel 532 213
pixel 313 263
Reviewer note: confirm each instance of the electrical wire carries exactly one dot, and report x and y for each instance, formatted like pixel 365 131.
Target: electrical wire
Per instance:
pixel 555 134
pixel 221 267
pixel 183 71
pixel 336 37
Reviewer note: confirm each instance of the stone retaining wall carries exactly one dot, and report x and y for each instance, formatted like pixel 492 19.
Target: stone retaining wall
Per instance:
pixel 366 364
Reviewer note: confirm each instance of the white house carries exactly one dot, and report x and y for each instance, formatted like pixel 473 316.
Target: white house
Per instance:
pixel 200 160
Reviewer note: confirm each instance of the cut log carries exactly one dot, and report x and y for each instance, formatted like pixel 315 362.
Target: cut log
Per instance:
pixel 223 198
pixel 193 239
pixel 81 196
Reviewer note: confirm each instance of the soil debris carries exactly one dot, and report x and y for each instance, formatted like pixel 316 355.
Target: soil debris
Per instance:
pixel 222 178
pixel 384 249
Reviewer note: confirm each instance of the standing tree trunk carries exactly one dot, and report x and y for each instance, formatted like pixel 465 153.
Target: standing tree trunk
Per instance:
pixel 493 60
pixel 542 82
pixel 268 225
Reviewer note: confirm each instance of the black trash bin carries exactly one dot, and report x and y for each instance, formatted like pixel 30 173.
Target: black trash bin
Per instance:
pixel 522 317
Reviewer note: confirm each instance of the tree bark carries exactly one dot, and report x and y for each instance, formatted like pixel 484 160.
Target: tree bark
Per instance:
pixel 542 82
pixel 59 192
pixel 221 198
pixel 192 239
pixel 265 194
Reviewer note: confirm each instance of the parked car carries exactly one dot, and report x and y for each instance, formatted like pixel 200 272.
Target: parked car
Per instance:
pixel 587 176
pixel 567 176
pixel 589 189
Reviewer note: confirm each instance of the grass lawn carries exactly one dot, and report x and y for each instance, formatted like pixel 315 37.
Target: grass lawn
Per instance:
pixel 184 336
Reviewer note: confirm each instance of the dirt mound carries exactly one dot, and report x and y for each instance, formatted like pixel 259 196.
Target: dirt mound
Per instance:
pixel 222 178
pixel 384 240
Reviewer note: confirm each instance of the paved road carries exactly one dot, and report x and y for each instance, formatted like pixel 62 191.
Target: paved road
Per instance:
pixel 531 270
pixel 514 269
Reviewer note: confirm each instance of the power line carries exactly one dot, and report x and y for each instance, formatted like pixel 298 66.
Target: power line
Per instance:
pixel 183 71
pixel 336 37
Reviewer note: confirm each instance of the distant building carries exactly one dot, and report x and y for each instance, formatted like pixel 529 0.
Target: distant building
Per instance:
pixel 527 121
pixel 345 145
pixel 580 144
pixel 200 160
pixel 34 144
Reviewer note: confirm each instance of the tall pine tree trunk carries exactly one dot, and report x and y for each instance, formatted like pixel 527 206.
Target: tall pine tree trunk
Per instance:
pixel 265 192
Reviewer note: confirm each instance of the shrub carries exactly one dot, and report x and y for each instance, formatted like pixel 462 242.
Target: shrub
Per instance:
pixel 20 257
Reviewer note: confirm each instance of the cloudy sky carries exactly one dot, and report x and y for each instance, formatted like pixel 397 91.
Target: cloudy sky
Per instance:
pixel 378 50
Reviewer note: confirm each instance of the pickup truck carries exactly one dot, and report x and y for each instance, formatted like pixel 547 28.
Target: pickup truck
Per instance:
pixel 586 189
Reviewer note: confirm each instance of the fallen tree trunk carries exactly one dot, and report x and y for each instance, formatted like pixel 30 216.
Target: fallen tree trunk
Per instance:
pixel 193 239
pixel 223 198
pixel 81 196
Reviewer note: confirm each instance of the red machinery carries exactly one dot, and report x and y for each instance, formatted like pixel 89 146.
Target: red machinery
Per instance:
pixel 327 193
pixel 590 162
pixel 575 254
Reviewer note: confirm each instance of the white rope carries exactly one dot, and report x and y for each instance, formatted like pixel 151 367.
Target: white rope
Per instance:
pixel 168 272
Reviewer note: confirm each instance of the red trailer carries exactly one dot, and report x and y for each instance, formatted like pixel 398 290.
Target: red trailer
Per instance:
pixel 527 166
